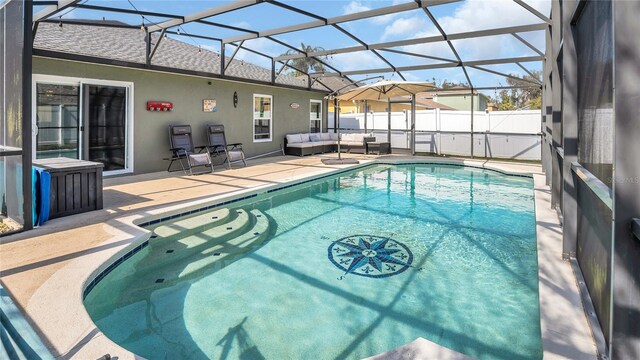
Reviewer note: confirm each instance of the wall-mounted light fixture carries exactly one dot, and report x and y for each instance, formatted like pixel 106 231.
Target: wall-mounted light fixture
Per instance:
pixel 235 99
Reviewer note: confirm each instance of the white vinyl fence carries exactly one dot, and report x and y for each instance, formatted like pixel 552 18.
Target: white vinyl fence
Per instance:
pixel 497 134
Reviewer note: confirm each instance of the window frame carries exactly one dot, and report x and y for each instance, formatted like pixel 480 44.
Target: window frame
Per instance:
pixel 311 120
pixel 253 118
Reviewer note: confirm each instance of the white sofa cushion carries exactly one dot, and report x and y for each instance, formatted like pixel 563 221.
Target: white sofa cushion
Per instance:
pixel 302 145
pixel 325 136
pixel 346 137
pixel 358 138
pixel 305 137
pixel 294 138
pixel 315 137
pixel 334 136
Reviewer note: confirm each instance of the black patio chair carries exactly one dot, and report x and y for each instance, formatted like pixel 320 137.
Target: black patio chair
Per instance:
pixel 217 143
pixel 183 151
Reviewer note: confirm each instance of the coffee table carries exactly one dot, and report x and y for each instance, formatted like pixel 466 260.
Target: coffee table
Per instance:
pixel 378 148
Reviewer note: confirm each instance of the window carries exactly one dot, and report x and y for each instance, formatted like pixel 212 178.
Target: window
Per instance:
pixel 316 116
pixel 262 117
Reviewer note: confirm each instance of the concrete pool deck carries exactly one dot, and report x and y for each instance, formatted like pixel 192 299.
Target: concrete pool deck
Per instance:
pixel 46 269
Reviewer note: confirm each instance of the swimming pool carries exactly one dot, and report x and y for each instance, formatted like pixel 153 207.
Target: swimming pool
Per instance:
pixel 347 266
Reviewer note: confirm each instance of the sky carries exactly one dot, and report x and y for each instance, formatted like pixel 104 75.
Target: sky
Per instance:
pixel 463 16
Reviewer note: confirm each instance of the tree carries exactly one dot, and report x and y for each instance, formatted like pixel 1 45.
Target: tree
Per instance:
pixel 529 97
pixel 306 64
pixel 446 84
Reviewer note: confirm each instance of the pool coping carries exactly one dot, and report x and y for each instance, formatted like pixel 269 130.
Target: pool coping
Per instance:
pixel 82 338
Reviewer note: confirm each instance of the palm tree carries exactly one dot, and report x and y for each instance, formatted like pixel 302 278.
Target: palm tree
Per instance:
pixel 306 64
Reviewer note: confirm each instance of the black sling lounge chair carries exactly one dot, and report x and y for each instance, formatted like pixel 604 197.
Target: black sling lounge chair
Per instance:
pixel 183 151
pixel 217 143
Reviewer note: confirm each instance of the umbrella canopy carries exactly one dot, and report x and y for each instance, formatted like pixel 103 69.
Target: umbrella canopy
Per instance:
pixel 386 89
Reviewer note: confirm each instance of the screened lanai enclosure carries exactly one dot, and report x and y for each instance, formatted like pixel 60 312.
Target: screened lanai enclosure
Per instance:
pixel 338 46
pixel 581 55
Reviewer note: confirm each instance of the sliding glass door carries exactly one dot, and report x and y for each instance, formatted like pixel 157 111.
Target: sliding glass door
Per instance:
pixel 83 119
pixel 57 122
pixel 105 113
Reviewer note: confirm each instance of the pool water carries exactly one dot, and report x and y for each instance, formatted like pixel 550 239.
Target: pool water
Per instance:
pixel 350 266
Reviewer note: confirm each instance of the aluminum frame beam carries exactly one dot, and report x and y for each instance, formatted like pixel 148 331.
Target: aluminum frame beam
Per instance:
pixel 233 55
pixel 339 19
pixel 302 52
pixel 126 11
pixel 528 44
pixel 155 46
pixel 424 40
pixel 533 11
pixel 453 49
pixel 419 55
pixel 88 23
pixel 505 75
pixel 236 5
pixel 52 10
pixel 377 54
pixel 240 46
pixel 445 66
pixel 530 73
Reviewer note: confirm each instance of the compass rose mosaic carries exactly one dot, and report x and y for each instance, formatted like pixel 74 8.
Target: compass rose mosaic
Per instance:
pixel 370 256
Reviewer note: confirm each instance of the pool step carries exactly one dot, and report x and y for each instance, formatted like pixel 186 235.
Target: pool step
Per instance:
pixel 231 248
pixel 170 261
pixel 233 224
pixel 193 224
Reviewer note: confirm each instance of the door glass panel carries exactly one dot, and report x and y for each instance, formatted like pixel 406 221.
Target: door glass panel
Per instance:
pixel 57 121
pixel 106 111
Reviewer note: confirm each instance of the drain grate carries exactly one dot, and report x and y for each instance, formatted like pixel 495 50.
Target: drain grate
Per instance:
pixel 229 228
pixel 214 217
pixel 159 281
pixel 216 254
pixel 256 233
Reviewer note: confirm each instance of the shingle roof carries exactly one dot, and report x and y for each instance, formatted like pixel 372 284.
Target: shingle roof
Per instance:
pixel 336 83
pixel 125 44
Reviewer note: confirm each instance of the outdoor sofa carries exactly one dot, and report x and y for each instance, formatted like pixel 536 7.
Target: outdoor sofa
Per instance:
pixel 318 143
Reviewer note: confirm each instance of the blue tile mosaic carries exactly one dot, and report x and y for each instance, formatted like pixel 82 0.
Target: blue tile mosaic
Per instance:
pixel 370 256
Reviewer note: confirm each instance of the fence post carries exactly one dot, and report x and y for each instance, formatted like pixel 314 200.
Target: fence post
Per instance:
pixel 438 131
pixel 413 124
pixel 389 121
pixel 365 116
pixel 486 134
pixel 472 122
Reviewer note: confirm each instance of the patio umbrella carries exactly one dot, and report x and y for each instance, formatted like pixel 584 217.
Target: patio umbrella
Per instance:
pixel 385 89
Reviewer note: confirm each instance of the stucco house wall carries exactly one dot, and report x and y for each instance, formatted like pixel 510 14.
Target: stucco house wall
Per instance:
pixel 151 136
pixel 462 101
